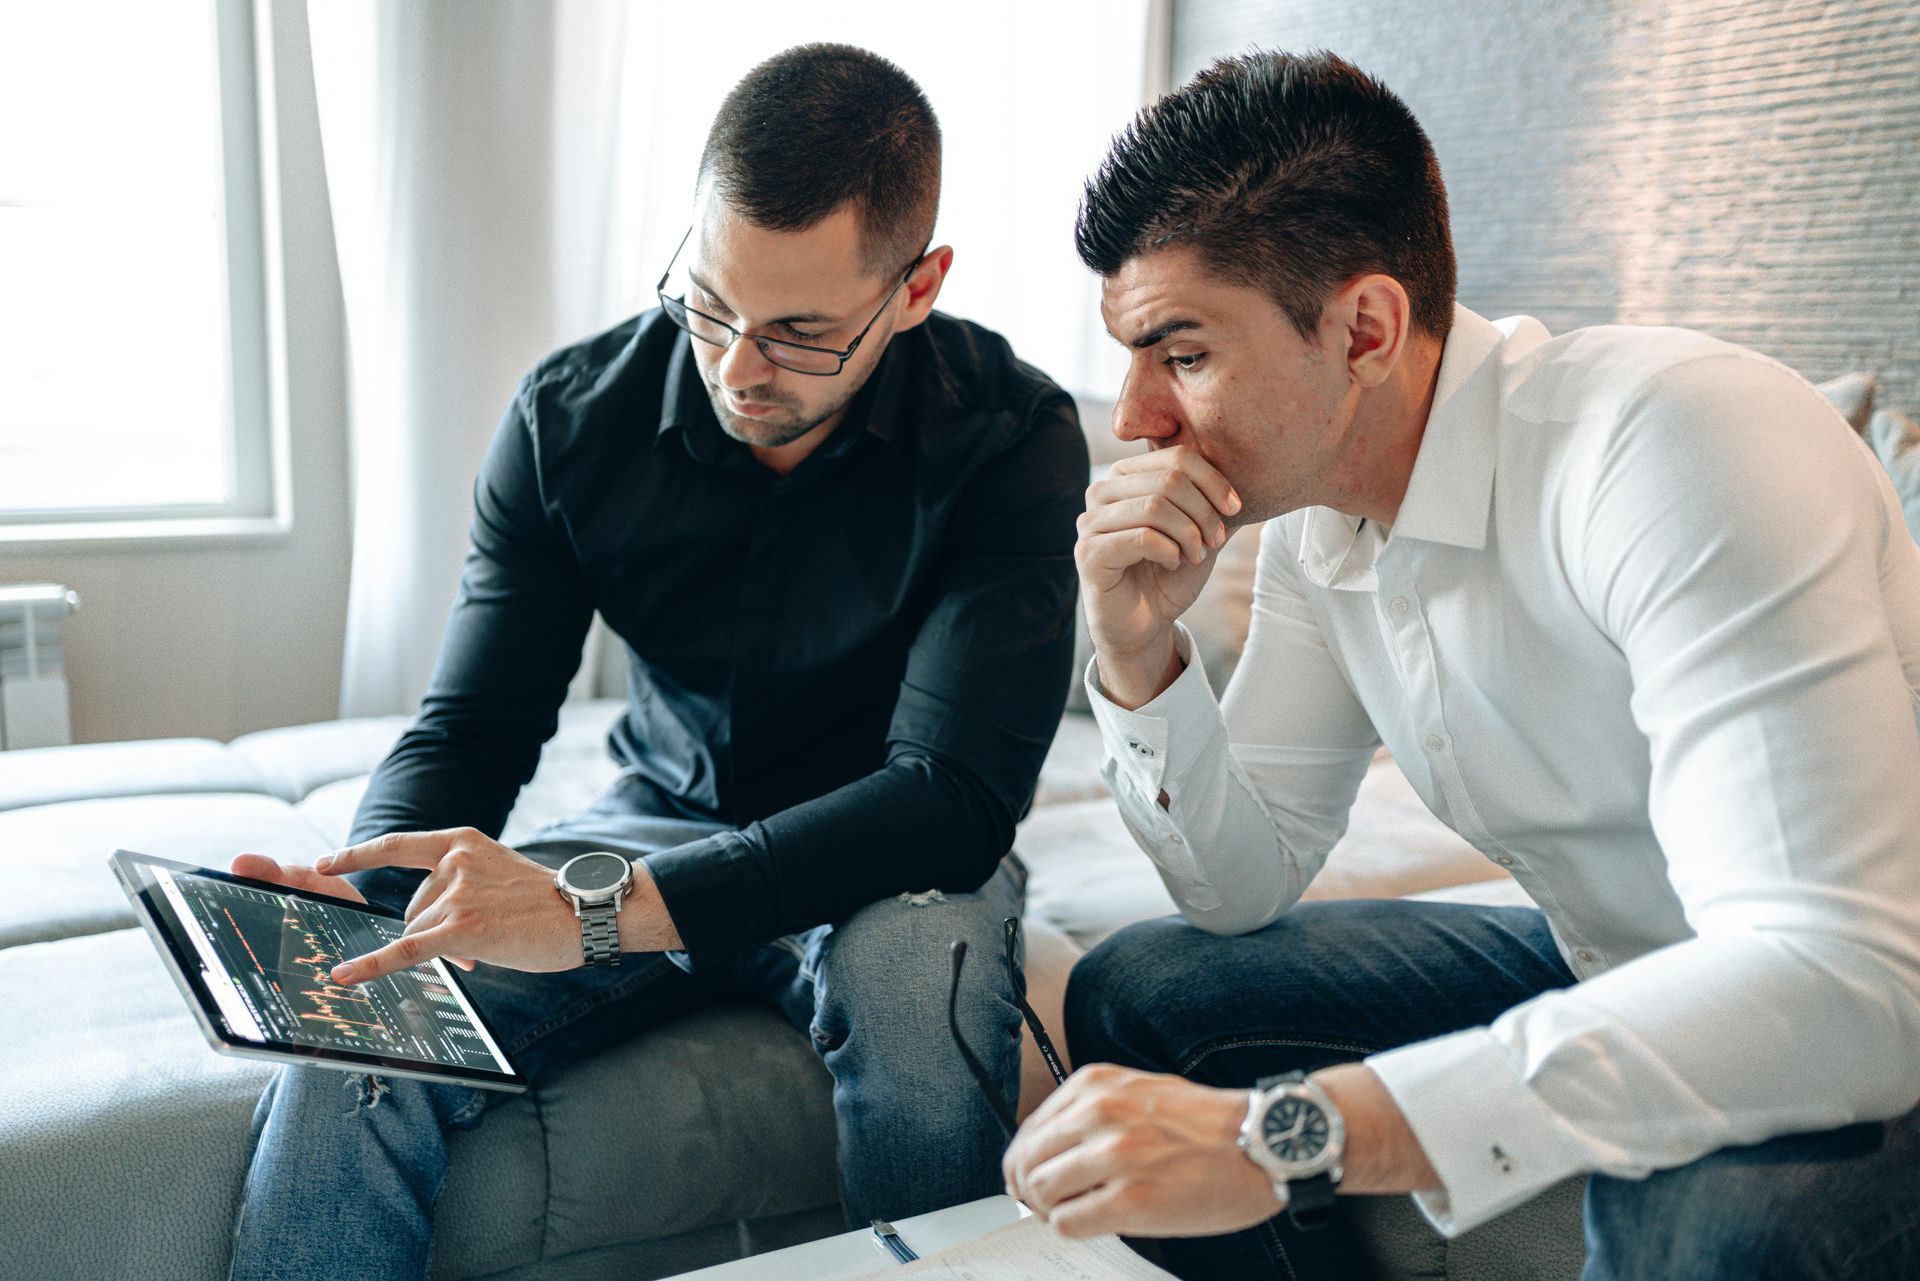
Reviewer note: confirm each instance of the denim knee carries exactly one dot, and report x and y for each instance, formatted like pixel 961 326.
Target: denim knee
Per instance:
pixel 882 984
pixel 1120 995
pixel 325 1096
pixel 1802 1206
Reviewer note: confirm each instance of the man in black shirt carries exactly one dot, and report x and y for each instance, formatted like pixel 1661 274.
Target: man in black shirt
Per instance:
pixel 835 530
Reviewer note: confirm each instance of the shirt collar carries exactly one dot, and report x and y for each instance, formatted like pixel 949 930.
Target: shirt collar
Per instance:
pixel 1450 492
pixel 1336 552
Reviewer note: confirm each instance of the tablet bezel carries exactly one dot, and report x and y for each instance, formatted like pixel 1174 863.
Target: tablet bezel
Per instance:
pixel 183 963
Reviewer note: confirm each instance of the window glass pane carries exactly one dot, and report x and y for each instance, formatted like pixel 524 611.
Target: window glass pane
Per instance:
pixel 113 355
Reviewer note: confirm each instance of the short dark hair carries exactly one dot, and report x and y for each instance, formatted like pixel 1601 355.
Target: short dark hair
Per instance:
pixel 1293 173
pixel 820 125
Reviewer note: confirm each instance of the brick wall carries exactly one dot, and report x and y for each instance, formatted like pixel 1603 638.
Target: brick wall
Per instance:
pixel 1751 169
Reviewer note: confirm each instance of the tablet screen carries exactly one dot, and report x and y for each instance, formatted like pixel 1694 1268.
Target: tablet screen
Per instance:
pixel 265 959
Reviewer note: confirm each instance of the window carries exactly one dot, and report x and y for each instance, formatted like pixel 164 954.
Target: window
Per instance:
pixel 133 370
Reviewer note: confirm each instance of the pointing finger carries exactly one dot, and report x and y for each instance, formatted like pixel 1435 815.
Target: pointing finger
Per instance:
pixel 403 953
pixel 396 849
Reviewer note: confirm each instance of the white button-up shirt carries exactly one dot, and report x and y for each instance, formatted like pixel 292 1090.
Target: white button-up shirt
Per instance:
pixel 1646 631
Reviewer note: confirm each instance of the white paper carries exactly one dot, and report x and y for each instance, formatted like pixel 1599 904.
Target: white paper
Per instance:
pixel 1031 1251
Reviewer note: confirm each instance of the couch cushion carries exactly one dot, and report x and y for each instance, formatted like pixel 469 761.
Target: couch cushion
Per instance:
pixel 54 857
pixel 1090 879
pixel 574 768
pixel 121 1133
pixel 564 783
pixel 116 1117
pixel 329 809
pixel 1504 892
pixel 47 775
pixel 1071 771
pixel 300 759
pixel 1539 1240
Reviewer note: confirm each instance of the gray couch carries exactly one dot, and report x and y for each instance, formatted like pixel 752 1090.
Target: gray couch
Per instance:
pixel 122 1136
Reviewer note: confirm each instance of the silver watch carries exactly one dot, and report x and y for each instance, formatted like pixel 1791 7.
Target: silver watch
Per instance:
pixel 595 883
pixel 1295 1134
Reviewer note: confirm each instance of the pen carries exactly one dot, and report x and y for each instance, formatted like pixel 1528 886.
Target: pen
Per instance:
pixel 889 1240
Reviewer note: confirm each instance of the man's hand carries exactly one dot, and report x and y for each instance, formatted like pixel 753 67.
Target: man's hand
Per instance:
pixel 1147 544
pixel 1114 1150
pixel 479 900
pixel 294 876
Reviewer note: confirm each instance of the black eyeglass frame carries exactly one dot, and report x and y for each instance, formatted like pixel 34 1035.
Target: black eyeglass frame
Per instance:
pixel 1016 977
pixel 678 310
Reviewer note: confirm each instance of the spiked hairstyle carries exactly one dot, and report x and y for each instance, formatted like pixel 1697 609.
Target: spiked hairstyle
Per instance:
pixel 1291 173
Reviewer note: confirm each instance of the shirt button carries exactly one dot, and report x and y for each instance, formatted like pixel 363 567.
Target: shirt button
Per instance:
pixel 1584 954
pixel 1175 838
pixel 1435 743
pixel 1141 748
pixel 1400 605
pixel 1504 860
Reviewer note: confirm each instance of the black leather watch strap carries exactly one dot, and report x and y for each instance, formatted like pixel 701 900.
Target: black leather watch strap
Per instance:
pixel 1309 1201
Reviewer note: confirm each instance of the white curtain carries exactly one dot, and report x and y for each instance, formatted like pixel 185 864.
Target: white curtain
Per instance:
pixel 509 175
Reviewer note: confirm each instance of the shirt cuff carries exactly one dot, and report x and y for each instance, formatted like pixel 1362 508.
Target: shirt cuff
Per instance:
pixel 1486 1133
pixel 717 893
pixel 1178 718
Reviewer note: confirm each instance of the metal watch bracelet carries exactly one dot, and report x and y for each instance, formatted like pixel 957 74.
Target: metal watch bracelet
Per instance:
pixel 600 934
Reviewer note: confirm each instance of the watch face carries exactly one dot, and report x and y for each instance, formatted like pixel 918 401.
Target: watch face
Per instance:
pixel 1295 1130
pixel 591 873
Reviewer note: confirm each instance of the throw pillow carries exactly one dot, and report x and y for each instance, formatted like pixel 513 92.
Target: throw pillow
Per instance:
pixel 1852 395
pixel 1896 439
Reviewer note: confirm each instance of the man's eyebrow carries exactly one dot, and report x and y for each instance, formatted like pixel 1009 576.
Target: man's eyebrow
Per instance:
pixel 807 318
pixel 1161 334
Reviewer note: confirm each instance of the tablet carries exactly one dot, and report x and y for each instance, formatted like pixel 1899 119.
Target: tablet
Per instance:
pixel 253 959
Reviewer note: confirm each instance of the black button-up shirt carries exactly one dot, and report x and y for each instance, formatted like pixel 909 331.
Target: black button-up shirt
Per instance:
pixel 856 667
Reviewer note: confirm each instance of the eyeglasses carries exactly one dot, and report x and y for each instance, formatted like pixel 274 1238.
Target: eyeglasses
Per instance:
pixel 1018 979
pixel 816 362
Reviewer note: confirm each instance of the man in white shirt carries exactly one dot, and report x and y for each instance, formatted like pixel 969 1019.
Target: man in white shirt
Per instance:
pixel 1637 615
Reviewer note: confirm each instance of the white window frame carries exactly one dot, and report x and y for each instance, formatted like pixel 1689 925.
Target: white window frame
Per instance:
pixel 261 506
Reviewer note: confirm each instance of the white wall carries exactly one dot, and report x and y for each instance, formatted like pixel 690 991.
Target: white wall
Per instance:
pixel 219 639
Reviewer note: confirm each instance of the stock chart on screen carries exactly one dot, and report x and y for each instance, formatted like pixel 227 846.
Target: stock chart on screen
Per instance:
pixel 268 957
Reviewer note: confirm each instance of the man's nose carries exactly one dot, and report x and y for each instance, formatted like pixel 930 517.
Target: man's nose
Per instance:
pixel 743 365
pixel 1138 415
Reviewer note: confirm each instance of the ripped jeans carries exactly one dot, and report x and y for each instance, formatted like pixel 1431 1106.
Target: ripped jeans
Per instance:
pixel 915 1134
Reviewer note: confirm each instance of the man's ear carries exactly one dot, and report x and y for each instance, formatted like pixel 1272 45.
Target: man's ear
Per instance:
pixel 923 286
pixel 1379 321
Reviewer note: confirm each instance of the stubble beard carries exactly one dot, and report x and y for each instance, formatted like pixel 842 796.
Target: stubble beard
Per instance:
pixel 776 430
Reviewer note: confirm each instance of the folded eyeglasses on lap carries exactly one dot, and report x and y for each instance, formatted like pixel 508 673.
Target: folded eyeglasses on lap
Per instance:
pixel 1018 979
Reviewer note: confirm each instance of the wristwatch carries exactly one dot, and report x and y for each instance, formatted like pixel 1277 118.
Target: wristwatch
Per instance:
pixel 1294 1133
pixel 595 883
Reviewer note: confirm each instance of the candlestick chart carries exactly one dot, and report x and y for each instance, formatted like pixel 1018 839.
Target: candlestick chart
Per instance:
pixel 279 951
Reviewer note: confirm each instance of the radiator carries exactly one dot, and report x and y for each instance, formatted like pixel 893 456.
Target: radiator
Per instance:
pixel 33 677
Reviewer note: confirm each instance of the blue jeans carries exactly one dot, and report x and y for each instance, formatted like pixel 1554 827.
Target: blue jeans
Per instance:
pixel 1331 982
pixel 334 1149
